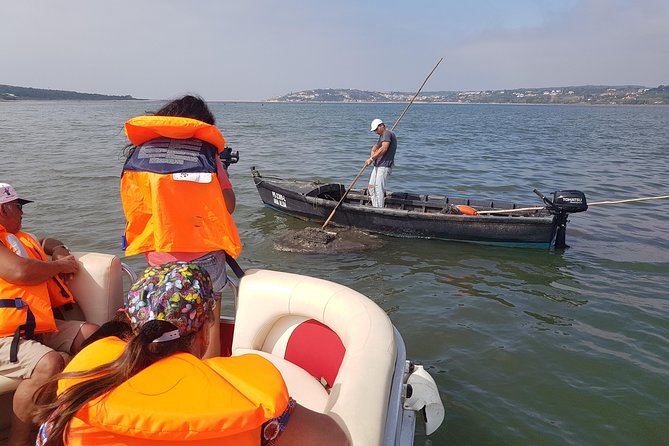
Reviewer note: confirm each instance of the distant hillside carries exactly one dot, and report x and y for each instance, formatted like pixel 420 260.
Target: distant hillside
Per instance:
pixel 587 94
pixel 12 93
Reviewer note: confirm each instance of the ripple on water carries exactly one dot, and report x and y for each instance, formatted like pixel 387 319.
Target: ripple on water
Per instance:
pixel 527 346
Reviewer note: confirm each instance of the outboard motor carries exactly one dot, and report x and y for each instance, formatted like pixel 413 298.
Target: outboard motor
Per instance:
pixel 564 202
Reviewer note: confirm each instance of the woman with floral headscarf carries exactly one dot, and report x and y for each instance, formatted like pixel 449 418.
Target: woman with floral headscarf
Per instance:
pixel 155 389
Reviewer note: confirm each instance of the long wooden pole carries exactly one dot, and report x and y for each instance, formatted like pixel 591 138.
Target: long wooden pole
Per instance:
pixel 415 96
pixel 341 200
pixel 344 196
pixel 596 203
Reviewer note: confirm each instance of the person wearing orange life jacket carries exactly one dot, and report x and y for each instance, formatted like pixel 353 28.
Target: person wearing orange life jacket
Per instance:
pixel 176 195
pixel 155 389
pixel 31 286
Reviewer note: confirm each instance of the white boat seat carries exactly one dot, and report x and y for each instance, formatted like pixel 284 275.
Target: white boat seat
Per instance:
pixel 312 394
pixel 98 290
pixel 343 367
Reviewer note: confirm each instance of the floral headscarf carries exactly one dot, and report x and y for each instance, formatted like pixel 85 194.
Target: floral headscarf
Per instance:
pixel 179 292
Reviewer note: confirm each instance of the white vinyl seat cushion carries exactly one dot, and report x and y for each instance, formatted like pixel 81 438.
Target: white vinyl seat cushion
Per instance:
pixel 272 303
pixel 304 388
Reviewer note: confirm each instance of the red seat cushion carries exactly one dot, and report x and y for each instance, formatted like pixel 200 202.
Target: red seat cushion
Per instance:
pixel 317 349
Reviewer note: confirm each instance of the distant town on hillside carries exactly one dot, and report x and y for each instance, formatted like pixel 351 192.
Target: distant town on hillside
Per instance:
pixel 588 94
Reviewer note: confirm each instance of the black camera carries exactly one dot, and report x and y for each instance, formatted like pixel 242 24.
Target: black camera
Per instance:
pixel 228 157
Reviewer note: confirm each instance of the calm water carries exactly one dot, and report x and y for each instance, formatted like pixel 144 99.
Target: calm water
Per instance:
pixel 528 347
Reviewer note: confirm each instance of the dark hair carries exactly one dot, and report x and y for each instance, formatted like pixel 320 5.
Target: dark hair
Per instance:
pixel 188 106
pixel 119 328
pixel 139 353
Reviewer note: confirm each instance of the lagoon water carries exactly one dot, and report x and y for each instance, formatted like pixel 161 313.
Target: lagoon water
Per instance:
pixel 528 346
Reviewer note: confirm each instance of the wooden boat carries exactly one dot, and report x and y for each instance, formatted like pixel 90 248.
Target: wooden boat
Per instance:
pixel 426 216
pixel 337 350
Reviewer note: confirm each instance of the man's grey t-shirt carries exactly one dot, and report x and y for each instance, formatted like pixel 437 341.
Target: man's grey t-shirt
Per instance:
pixel 388 158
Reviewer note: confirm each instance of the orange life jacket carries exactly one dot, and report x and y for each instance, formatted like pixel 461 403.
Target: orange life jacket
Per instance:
pixel 169 189
pixel 26 310
pixel 179 399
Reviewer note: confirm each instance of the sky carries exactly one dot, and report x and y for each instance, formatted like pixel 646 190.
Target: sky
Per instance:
pixel 227 50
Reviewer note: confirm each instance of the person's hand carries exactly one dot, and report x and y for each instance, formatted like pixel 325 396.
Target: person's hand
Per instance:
pixel 368 161
pixel 68 266
pixel 60 254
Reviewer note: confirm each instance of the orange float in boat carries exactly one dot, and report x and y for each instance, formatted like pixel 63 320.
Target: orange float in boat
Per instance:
pixel 466 210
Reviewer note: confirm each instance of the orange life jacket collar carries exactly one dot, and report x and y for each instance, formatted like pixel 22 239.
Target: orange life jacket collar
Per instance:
pixel 145 128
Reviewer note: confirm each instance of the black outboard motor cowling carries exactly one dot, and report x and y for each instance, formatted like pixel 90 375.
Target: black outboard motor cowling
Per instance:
pixel 564 202
pixel 570 201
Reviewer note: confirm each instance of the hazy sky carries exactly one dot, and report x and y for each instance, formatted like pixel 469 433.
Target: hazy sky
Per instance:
pixel 258 49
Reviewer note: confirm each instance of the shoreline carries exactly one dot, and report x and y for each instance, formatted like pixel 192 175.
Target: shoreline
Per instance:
pixel 241 101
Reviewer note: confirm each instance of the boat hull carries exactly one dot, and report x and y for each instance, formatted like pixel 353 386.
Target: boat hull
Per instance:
pixel 407 215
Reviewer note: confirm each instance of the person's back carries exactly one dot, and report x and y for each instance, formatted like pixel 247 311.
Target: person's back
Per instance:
pixel 207 402
pixel 176 194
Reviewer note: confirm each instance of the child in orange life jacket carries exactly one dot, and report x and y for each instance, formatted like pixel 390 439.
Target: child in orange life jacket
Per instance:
pixel 176 195
pixel 118 392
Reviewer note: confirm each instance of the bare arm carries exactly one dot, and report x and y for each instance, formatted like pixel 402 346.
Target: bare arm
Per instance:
pixel 380 151
pixel 307 427
pixel 226 186
pixel 377 152
pixel 26 271
pixel 54 248
pixel 230 200
pixel 57 250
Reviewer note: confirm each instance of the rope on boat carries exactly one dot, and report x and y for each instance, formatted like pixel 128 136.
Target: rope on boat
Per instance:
pixel 596 203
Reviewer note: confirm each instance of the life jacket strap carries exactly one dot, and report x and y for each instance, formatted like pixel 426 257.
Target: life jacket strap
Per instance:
pixel 26 330
pixel 63 292
pixel 239 272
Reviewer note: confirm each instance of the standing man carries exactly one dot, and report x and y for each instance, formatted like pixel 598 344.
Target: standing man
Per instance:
pixel 177 197
pixel 31 286
pixel 383 157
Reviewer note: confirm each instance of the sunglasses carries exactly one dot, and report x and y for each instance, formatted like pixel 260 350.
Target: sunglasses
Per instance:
pixel 18 205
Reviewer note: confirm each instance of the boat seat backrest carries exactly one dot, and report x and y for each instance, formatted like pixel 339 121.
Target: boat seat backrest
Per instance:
pixel 98 290
pixel 334 346
pixel 308 344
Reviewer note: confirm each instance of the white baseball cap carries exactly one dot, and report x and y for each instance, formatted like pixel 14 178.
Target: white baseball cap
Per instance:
pixel 8 193
pixel 375 123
